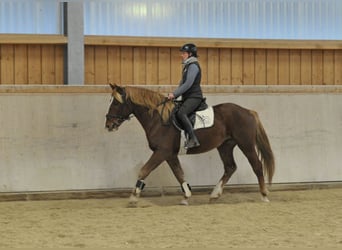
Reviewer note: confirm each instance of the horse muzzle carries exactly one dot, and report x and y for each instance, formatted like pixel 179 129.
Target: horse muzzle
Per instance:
pixel 114 122
pixel 112 125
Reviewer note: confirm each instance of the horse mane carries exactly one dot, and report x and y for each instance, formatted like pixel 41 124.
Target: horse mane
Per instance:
pixel 151 100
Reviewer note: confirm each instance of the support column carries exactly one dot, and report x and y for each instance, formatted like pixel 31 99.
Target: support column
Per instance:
pixel 74 30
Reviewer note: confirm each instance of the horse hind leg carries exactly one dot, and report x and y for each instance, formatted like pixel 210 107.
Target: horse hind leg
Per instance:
pixel 252 156
pixel 226 154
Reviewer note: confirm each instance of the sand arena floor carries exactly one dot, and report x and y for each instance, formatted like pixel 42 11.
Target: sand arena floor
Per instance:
pixel 309 218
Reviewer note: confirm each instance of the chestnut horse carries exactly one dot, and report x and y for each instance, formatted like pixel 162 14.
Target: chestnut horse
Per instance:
pixel 233 125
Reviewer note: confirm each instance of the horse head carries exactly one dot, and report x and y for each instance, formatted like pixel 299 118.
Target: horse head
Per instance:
pixel 119 110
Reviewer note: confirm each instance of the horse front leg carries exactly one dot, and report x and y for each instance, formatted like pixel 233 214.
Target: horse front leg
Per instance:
pixel 179 174
pixel 155 160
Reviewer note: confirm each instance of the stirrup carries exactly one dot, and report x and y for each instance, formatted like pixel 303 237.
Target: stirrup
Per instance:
pixel 191 144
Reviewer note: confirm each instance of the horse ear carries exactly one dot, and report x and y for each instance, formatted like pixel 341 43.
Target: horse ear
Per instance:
pixel 118 92
pixel 113 86
pixel 117 88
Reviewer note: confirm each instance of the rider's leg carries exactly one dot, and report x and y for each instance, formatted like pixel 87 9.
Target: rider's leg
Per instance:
pixel 188 107
pixel 193 141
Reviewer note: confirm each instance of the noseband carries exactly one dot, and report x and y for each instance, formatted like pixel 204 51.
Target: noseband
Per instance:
pixel 119 118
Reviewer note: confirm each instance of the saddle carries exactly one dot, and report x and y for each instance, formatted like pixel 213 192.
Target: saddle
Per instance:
pixel 202 117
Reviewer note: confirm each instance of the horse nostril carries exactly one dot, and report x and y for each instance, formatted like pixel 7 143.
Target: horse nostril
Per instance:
pixel 107 125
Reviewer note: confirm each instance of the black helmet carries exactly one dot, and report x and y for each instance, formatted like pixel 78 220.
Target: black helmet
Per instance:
pixel 190 48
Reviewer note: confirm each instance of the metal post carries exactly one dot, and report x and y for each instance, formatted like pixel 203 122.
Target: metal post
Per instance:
pixel 74 29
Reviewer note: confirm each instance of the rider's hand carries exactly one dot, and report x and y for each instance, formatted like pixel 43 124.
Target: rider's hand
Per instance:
pixel 170 96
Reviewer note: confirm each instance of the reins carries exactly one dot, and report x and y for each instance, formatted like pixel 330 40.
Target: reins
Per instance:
pixel 162 111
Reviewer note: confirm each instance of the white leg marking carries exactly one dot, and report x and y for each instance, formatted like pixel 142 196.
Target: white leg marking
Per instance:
pixel 264 198
pixel 187 192
pixel 137 191
pixel 217 192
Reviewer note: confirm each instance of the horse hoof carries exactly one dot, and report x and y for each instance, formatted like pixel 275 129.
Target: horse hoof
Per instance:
pixel 132 204
pixel 213 199
pixel 184 202
pixel 133 201
pixel 265 199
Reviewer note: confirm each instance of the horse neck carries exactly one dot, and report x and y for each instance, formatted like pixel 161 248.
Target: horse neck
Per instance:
pixel 143 116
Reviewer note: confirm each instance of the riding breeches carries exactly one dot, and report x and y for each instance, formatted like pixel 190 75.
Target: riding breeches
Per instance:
pixel 187 107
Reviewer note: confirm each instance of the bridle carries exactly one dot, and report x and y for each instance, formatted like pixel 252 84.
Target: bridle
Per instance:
pixel 119 119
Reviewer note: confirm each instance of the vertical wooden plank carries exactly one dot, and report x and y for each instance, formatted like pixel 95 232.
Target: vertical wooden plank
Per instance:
pixel 164 66
pixel 101 65
pixel 139 65
pixel 272 67
pixel 176 66
pixel 114 65
pixel 20 64
pixel 152 66
pixel 89 68
pixel 59 64
pixel 248 67
pixel 7 64
pixel 295 67
pixel 306 64
pixel 34 64
pixel 127 65
pixel 213 66
pixel 284 67
pixel 317 67
pixel 237 66
pixel 225 67
pixel 48 64
pixel 329 67
pixel 260 67
pixel 338 67
pixel 203 60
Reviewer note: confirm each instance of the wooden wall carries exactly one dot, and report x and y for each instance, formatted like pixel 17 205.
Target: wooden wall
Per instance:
pixel 220 66
pixel 156 61
pixel 27 59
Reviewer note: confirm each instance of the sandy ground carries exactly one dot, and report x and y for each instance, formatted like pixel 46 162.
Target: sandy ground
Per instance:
pixel 310 218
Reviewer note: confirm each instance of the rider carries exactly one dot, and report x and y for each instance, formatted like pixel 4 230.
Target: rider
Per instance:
pixel 190 90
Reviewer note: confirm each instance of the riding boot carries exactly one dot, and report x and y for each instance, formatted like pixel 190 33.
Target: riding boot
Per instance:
pixel 192 142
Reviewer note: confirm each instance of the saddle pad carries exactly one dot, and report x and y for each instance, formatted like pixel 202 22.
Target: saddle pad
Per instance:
pixel 204 118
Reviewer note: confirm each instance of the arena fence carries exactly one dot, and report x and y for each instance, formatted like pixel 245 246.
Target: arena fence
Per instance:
pixel 39 59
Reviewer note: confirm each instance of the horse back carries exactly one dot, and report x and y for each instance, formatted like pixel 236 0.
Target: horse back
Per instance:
pixel 233 115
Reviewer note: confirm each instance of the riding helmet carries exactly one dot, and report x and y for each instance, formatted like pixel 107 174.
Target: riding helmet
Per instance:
pixel 190 48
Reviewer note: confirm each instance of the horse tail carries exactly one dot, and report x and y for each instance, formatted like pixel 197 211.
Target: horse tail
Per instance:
pixel 264 149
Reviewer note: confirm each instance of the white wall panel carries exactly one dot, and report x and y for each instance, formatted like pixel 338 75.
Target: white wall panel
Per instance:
pixel 30 16
pixel 269 19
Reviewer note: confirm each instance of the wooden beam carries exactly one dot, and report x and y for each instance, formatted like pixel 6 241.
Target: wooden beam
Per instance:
pixel 212 42
pixel 173 42
pixel 208 89
pixel 32 39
